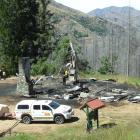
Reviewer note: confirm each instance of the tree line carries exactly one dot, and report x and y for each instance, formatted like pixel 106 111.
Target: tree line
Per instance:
pixel 27 28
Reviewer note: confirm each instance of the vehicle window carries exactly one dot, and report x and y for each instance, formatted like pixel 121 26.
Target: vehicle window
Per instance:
pixel 44 107
pixel 54 104
pixel 23 107
pixel 36 107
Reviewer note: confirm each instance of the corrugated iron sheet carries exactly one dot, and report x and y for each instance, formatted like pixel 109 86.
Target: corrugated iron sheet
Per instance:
pixel 93 104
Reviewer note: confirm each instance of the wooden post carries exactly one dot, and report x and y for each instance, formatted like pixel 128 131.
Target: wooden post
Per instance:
pixel 97 119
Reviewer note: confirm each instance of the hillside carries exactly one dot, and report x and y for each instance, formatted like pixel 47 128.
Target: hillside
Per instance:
pixel 98 37
pixel 76 21
pixel 118 15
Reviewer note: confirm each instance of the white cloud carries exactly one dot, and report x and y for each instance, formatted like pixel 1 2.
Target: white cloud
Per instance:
pixel 88 5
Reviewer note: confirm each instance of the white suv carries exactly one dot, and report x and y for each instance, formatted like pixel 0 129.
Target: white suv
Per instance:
pixel 42 110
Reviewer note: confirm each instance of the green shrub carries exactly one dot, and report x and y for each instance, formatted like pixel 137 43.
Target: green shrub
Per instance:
pixel 105 65
pixel 42 67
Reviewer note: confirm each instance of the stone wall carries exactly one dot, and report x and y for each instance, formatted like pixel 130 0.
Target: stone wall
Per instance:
pixel 24 76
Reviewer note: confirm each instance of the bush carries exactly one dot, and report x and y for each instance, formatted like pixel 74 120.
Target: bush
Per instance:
pixel 42 67
pixel 106 66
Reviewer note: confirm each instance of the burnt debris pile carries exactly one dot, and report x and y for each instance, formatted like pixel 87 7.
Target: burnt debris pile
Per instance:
pixel 105 90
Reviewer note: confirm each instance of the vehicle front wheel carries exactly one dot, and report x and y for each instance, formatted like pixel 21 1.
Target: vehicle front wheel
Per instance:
pixel 26 119
pixel 59 119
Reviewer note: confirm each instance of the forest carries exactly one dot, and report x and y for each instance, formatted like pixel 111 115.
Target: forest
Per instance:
pixel 27 29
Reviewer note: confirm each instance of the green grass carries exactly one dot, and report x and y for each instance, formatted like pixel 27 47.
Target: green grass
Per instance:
pixel 135 81
pixel 129 132
pixel 20 136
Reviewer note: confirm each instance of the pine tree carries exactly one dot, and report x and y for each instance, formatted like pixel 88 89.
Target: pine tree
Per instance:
pixel 18 26
pixel 46 25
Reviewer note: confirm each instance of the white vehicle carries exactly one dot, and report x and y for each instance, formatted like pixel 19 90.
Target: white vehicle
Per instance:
pixel 42 110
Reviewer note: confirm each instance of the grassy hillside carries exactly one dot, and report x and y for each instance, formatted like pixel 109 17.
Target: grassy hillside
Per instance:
pixel 118 15
pixel 76 21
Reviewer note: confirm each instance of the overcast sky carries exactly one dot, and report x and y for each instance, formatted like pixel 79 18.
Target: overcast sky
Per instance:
pixel 88 5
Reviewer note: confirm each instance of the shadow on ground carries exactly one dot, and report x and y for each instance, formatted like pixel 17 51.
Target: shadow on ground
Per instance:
pixel 72 120
pixel 108 125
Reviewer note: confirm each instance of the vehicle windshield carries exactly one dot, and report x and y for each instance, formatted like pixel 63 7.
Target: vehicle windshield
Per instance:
pixel 54 104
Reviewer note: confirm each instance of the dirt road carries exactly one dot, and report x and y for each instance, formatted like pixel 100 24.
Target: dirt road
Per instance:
pixel 8 86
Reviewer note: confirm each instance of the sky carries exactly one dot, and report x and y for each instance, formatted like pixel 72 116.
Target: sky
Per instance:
pixel 89 5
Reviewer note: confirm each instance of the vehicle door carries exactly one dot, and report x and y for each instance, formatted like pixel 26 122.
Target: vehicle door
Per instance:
pixel 37 112
pixel 47 112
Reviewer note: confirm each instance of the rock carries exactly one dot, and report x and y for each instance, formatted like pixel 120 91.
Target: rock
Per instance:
pixel 83 95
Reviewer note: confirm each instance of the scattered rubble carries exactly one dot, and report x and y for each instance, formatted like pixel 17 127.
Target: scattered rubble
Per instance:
pixel 106 90
pixel 75 88
pixel 134 98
